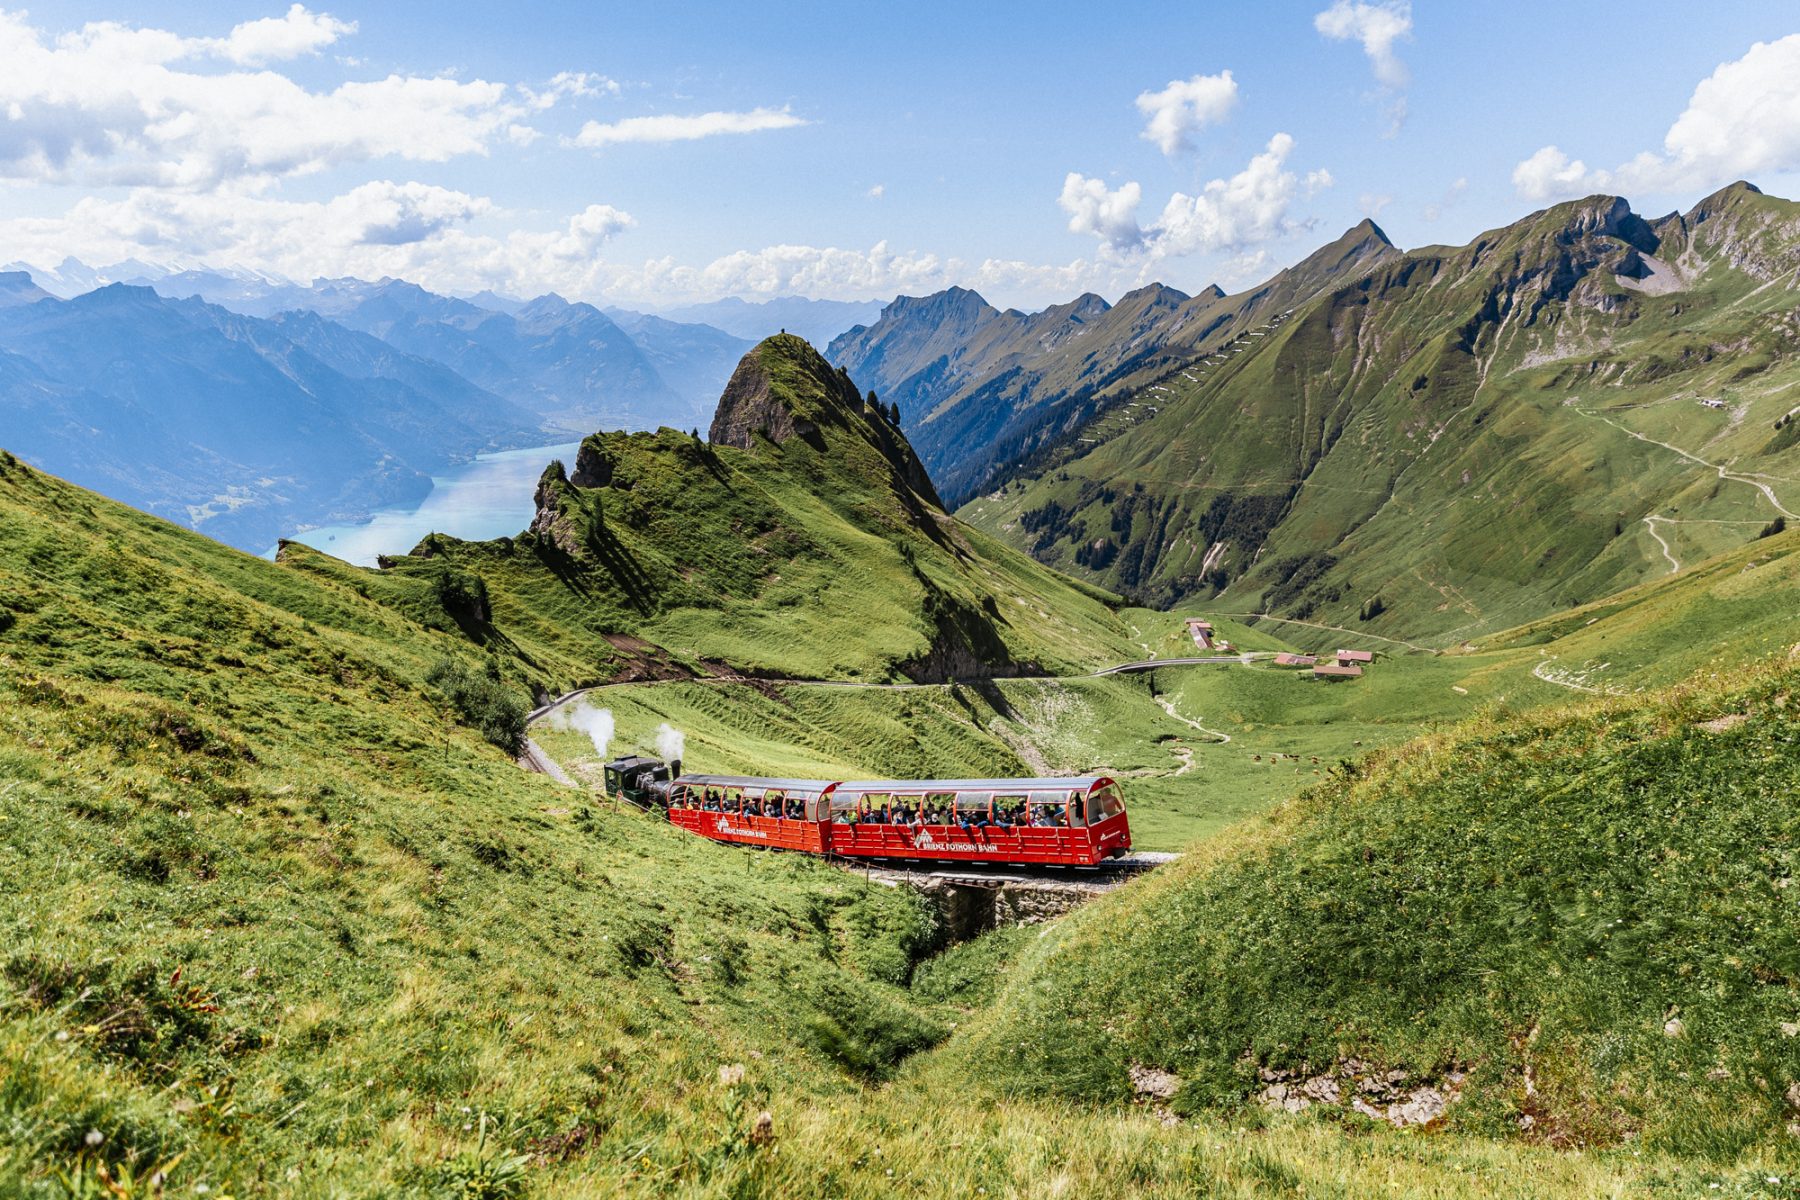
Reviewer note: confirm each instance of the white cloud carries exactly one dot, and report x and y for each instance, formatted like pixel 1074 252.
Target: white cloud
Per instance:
pixel 1377 26
pixel 1742 120
pixel 409 230
pixel 594 134
pixel 877 192
pixel 106 105
pixel 1372 203
pixel 1231 214
pixel 1552 174
pixel 569 85
pixel 1110 215
pixel 1184 108
pixel 274 39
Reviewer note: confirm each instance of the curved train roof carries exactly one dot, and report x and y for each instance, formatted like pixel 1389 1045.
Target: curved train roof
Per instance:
pixel 758 781
pixel 1083 783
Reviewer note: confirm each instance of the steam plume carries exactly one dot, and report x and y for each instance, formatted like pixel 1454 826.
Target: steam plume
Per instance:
pixel 583 717
pixel 671 743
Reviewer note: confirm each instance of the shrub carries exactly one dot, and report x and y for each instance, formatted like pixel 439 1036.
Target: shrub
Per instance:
pixel 483 701
pixel 1770 530
pixel 463 594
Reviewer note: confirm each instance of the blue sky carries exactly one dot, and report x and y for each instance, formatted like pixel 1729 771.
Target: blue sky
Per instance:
pixel 853 151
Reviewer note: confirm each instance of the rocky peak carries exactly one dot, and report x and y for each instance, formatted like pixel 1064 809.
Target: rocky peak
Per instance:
pixel 752 405
pixel 784 389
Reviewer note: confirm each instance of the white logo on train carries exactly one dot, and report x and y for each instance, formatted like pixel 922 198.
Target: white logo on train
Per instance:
pixel 725 826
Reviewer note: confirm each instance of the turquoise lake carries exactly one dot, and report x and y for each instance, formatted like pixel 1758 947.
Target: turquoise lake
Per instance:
pixel 488 497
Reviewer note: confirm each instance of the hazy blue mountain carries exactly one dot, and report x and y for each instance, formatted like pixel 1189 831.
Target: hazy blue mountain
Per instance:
pixel 240 427
pixel 17 287
pixel 695 360
pixel 818 321
pixel 570 364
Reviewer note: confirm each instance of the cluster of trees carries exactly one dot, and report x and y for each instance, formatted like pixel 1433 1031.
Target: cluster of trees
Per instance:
pixel 483 701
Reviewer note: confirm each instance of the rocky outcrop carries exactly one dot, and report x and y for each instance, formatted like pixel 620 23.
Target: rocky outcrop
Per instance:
pixel 749 407
pixel 1392 1095
pixel 551 522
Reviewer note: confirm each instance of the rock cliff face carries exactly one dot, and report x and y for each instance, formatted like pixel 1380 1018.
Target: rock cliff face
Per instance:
pixel 785 389
pixel 748 407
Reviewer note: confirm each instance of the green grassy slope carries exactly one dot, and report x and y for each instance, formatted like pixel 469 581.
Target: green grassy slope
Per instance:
pixel 276 925
pixel 820 552
pixel 1532 902
pixel 1472 436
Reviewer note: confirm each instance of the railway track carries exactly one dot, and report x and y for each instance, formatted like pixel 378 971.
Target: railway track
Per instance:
pixel 1136 666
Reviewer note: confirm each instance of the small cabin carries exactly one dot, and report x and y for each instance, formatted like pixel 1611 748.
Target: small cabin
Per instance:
pixel 1336 671
pixel 1201 632
pixel 1347 657
pixel 1285 659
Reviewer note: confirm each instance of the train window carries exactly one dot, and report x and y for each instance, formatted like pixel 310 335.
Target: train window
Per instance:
pixel 1108 803
pixel 1049 809
pixel 973 802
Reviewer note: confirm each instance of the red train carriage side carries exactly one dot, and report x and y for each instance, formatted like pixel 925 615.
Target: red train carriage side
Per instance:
pixel 1053 822
pixel 789 814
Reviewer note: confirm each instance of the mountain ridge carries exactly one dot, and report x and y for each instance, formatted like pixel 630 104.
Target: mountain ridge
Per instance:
pixel 1499 428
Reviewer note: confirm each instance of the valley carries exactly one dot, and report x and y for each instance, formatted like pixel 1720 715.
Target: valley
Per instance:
pixel 290 920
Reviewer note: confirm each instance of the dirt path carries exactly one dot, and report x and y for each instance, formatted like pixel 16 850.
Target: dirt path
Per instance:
pixel 1754 481
pixel 1168 706
pixel 1650 524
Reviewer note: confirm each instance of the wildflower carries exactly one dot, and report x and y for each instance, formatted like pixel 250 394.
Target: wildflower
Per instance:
pixel 731 1074
pixel 94 1137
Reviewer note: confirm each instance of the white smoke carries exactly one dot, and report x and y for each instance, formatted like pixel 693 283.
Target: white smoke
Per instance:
pixel 583 717
pixel 671 743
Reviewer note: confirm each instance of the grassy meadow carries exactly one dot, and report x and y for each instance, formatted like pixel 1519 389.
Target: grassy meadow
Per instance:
pixel 280 923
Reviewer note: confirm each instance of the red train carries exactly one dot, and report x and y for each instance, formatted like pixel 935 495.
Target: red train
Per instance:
pixel 1051 822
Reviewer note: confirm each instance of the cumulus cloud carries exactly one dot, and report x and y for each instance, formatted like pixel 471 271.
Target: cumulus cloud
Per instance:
pixel 1377 26
pixel 274 39
pixel 1552 174
pixel 1230 214
pixel 112 105
pixel 1184 108
pixel 408 230
pixel 1108 214
pixel 596 134
pixel 876 192
pixel 1742 120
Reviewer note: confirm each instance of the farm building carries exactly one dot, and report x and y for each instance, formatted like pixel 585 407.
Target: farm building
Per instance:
pixel 1347 657
pixel 1295 660
pixel 1332 671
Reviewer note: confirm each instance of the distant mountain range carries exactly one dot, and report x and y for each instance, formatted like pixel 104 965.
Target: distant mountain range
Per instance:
pixel 239 426
pixel 818 321
pixel 979 388
pixel 360 392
